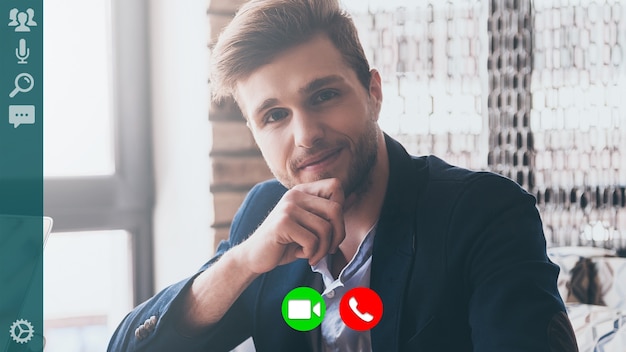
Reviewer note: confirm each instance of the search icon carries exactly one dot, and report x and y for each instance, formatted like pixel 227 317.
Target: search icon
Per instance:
pixel 24 83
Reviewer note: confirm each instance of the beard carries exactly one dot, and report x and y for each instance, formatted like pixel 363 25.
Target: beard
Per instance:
pixel 359 171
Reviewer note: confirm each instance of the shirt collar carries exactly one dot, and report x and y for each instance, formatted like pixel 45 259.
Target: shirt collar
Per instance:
pixel 362 255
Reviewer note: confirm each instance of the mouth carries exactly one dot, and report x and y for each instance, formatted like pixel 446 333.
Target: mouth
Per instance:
pixel 319 160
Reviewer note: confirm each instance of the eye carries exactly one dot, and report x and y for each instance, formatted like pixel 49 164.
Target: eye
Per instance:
pixel 275 116
pixel 324 95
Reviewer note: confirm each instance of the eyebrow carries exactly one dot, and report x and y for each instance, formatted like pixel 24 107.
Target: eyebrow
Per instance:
pixel 265 105
pixel 319 83
pixel 308 89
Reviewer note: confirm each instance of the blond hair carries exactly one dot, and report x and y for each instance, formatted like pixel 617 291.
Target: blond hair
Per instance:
pixel 262 29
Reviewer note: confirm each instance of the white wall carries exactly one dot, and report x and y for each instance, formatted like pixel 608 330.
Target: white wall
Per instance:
pixel 180 102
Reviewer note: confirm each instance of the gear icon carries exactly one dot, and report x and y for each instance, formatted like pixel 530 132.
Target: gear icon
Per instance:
pixel 22 331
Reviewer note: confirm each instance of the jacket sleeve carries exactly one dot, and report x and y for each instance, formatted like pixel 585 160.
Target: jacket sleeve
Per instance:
pixel 156 318
pixel 514 303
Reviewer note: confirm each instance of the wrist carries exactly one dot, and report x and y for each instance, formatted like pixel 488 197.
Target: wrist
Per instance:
pixel 237 260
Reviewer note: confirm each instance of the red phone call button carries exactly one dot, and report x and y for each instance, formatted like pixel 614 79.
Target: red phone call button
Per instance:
pixel 361 308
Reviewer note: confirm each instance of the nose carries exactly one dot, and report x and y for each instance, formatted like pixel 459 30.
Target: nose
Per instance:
pixel 307 129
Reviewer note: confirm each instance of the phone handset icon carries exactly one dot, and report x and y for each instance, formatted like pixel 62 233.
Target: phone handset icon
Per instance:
pixel 366 317
pixel 371 308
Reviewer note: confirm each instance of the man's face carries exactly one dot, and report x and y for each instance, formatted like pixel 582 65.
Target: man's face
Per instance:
pixel 312 118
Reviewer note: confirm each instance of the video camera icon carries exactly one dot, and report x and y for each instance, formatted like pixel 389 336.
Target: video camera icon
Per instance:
pixel 303 309
pixel 299 309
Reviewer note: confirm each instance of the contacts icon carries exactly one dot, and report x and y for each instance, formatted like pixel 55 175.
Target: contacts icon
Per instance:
pixel 22 20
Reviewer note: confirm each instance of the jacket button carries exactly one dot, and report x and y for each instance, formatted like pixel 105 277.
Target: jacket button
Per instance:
pixel 146 328
pixel 150 323
pixel 141 332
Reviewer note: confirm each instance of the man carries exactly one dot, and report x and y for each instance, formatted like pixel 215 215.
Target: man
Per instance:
pixel 457 257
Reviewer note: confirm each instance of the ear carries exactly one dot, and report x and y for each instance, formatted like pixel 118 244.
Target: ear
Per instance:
pixel 375 91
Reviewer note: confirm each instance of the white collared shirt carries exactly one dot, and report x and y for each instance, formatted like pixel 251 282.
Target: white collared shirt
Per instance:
pixel 335 335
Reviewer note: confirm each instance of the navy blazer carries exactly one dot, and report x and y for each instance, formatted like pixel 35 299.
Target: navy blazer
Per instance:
pixel 459 261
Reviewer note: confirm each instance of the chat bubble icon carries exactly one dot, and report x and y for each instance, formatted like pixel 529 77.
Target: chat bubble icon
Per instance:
pixel 21 115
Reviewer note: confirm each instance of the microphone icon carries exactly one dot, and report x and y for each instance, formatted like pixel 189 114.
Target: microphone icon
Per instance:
pixel 22 52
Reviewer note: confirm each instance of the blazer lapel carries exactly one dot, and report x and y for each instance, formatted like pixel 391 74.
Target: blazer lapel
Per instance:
pixel 394 244
pixel 270 330
pixel 392 260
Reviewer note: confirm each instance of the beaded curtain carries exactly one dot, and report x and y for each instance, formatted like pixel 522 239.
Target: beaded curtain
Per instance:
pixel 533 90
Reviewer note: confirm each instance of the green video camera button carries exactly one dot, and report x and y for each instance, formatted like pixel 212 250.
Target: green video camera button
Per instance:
pixel 303 309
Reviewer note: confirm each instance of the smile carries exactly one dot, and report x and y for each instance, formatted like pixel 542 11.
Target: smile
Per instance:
pixel 320 161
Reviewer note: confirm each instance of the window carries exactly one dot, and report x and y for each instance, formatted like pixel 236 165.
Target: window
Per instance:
pixel 97 169
pixel 88 288
pixel 78 85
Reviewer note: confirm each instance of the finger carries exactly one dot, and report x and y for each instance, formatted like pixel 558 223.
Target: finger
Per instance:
pixel 331 212
pixel 306 242
pixel 320 227
pixel 332 190
pixel 329 188
pixel 294 250
pixel 339 231
pixel 328 210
